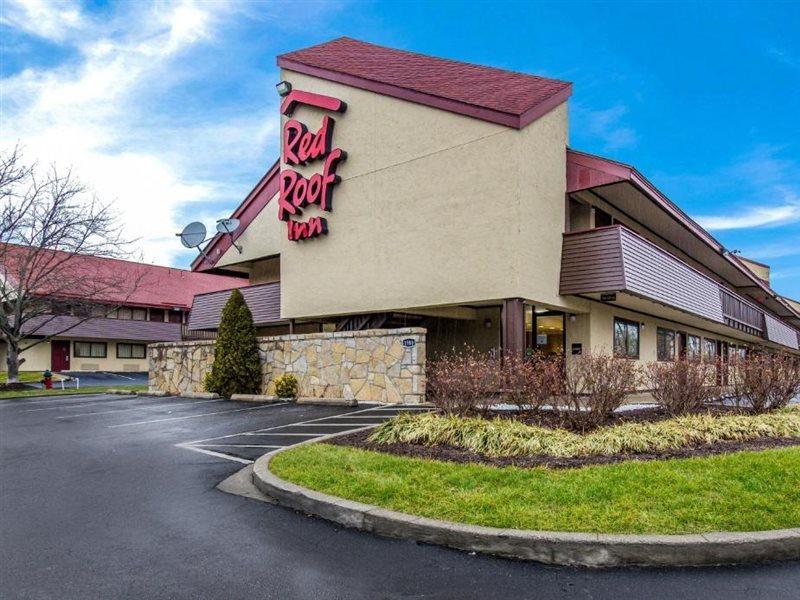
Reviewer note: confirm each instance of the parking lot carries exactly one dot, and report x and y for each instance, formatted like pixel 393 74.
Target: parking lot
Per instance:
pixel 115 497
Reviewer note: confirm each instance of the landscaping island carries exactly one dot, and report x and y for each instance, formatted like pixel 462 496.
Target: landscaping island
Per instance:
pixel 742 491
pixel 564 474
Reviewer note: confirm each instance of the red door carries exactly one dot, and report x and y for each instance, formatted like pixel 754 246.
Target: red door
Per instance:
pixel 59 355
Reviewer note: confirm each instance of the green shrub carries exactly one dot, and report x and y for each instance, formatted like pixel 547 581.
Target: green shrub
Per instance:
pixel 237 368
pixel 507 437
pixel 286 386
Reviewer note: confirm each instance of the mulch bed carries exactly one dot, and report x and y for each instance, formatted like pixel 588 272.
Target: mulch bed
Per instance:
pixel 453 454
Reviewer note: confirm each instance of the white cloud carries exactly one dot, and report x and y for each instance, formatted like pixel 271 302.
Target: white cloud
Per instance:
pixel 755 217
pixel 87 115
pixel 605 124
pixel 768 183
pixel 52 20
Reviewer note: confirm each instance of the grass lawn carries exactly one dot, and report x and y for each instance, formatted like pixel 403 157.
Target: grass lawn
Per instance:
pixel 742 491
pixel 59 392
pixel 28 377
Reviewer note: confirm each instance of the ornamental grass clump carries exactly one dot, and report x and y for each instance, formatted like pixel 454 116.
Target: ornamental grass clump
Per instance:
pixel 682 386
pixel 765 381
pixel 508 438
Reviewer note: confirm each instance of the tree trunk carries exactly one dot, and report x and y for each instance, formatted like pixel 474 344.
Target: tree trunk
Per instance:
pixel 12 361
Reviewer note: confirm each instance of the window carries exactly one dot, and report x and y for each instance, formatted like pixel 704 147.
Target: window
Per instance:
pixel 123 312
pixel 139 314
pixel 157 314
pixel 693 347
pixel 709 348
pixel 131 351
pixel 626 338
pixel 665 344
pixel 176 316
pixel 90 349
pixel 602 218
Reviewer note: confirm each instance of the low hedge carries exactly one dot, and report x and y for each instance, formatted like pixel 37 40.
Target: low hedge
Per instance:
pixel 500 437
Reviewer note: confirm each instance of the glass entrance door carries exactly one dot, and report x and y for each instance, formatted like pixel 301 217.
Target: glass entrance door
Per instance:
pixel 544 331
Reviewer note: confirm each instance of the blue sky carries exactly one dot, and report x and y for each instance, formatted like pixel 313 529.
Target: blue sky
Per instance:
pixel 169 109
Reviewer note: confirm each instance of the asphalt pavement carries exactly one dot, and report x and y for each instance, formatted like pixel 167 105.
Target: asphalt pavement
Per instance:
pixel 112 497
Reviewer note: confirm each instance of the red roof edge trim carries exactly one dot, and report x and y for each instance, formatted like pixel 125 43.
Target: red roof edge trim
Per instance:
pixel 248 210
pixel 611 171
pixel 454 106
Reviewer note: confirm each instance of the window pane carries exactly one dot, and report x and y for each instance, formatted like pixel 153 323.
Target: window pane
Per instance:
pixel 123 350
pixel 82 349
pixel 693 347
pixel 633 340
pixel 665 345
pixel 709 348
pixel 619 338
pixel 139 314
pixel 98 350
pixel 138 351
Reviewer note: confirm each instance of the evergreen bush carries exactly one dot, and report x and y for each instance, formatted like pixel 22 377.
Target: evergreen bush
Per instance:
pixel 286 386
pixel 237 368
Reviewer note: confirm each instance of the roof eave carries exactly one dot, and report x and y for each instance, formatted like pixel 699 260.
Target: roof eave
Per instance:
pixel 517 121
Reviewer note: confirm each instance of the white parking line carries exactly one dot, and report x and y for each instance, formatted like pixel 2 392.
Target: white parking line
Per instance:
pixel 144 407
pixel 21 402
pixel 284 433
pixel 235 446
pixel 70 406
pixel 221 412
pixel 352 425
pixel 244 461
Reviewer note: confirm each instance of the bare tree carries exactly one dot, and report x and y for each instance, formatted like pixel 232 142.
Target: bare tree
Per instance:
pixel 49 223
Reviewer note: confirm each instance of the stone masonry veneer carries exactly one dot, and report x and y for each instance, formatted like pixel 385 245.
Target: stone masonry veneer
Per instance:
pixel 369 366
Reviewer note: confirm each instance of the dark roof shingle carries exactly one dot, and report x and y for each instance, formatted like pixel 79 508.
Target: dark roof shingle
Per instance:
pixel 501 96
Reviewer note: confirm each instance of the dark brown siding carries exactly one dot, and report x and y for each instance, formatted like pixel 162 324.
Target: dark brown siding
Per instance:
pixel 591 261
pixel 264 301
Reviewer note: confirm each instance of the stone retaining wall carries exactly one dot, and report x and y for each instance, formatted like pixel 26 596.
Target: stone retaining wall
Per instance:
pixel 371 366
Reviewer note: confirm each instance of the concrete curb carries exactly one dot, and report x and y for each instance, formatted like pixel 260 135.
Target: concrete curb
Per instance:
pixel 259 398
pixel 153 393
pixel 199 395
pixel 327 401
pixel 550 547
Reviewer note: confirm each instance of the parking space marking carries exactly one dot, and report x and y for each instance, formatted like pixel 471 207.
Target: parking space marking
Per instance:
pixel 142 407
pixel 220 412
pixel 236 446
pixel 355 421
pixel 96 402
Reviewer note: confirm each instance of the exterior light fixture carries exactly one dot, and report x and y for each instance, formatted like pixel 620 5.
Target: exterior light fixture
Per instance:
pixel 487 323
pixel 572 318
pixel 284 87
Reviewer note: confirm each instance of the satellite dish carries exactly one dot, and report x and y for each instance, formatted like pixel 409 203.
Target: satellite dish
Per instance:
pixel 227 225
pixel 193 235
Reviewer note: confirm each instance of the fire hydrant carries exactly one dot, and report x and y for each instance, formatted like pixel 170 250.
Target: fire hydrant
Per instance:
pixel 48 380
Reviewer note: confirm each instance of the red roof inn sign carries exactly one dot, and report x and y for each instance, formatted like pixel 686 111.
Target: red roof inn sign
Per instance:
pixel 300 147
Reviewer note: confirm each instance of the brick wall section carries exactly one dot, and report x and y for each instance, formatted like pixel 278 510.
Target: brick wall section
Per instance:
pixel 370 366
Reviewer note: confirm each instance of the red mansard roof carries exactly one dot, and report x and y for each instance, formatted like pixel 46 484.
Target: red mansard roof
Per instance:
pixel 155 286
pixel 496 95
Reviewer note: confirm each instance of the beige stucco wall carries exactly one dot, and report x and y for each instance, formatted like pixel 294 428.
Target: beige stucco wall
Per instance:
pixel 596 330
pixel 38 359
pixel 434 208
pixel 369 366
